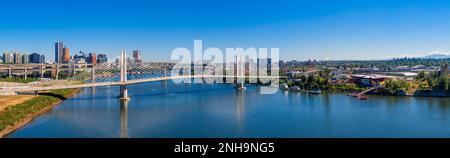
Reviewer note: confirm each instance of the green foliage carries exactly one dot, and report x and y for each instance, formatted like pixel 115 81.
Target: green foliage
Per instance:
pixel 384 64
pixel 19 80
pixel 13 114
pixel 346 87
pixel 435 81
pixel 392 86
pixel 421 76
pixel 63 75
pixel 311 82
pixel 442 83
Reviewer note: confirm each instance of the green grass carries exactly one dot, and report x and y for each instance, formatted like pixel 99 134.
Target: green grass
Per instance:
pixel 347 87
pixel 20 80
pixel 13 114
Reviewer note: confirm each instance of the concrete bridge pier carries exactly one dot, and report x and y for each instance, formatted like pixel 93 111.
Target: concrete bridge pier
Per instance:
pixel 123 93
pixel 9 72
pixel 73 71
pixel 57 72
pixel 25 73
pixel 92 74
pixel 42 71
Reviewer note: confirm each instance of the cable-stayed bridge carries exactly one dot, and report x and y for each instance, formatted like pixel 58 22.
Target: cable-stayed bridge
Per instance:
pixel 124 73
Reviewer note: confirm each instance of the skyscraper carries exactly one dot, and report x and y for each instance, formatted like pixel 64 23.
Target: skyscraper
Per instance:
pixel 59 50
pixel 137 55
pixel 25 59
pixel 92 58
pixel 42 59
pixel 17 58
pixel 66 55
pixel 79 57
pixel 102 58
pixel 8 58
pixel 37 58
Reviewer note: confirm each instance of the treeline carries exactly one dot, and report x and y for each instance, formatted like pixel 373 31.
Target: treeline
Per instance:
pixel 434 80
pixel 383 64
pixel 321 80
pixel 393 87
pixel 423 81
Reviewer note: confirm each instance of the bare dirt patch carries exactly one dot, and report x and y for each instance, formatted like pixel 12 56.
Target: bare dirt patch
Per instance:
pixel 6 101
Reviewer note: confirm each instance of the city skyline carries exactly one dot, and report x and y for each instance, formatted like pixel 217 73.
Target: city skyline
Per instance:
pixel 301 29
pixel 208 77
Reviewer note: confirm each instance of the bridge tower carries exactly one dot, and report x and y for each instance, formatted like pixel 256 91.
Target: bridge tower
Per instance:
pixel 240 72
pixel 123 76
pixel 92 74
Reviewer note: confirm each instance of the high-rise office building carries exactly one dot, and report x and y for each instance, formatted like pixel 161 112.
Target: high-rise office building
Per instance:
pixel 17 58
pixel 66 55
pixel 5 58
pixel 59 49
pixel 37 58
pixel 137 55
pixel 92 58
pixel 8 58
pixel 102 58
pixel 42 59
pixel 25 59
pixel 79 57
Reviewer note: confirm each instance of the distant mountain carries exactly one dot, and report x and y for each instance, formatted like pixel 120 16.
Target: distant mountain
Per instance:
pixel 437 56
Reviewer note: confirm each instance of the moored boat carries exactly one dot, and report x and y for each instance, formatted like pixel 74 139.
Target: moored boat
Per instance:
pixel 240 86
pixel 295 89
pixel 284 87
pixel 352 94
pixel 362 97
pixel 318 91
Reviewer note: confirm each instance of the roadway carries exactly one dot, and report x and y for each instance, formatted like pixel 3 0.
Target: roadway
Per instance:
pixel 120 83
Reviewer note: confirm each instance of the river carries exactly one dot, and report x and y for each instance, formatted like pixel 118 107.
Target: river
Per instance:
pixel 165 109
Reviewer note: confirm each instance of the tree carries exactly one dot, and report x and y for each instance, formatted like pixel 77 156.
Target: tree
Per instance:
pixel 421 76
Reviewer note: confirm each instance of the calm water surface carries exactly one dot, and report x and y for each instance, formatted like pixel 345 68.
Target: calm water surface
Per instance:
pixel 164 109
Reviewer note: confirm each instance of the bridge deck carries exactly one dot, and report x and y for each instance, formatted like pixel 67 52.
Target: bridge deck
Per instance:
pixel 98 84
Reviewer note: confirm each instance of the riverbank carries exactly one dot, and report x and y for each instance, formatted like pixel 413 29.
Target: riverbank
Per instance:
pixel 11 100
pixel 15 117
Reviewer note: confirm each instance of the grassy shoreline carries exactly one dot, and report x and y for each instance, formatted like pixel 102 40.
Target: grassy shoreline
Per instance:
pixel 18 80
pixel 15 117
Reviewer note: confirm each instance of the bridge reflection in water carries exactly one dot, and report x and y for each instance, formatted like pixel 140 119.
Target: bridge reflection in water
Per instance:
pixel 239 109
pixel 124 119
pixel 240 113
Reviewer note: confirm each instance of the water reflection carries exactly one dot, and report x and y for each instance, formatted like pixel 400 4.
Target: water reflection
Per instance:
pixel 124 119
pixel 93 90
pixel 240 113
pixel 171 110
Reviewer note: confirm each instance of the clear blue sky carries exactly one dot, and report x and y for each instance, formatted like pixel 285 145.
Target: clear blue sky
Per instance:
pixel 302 29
